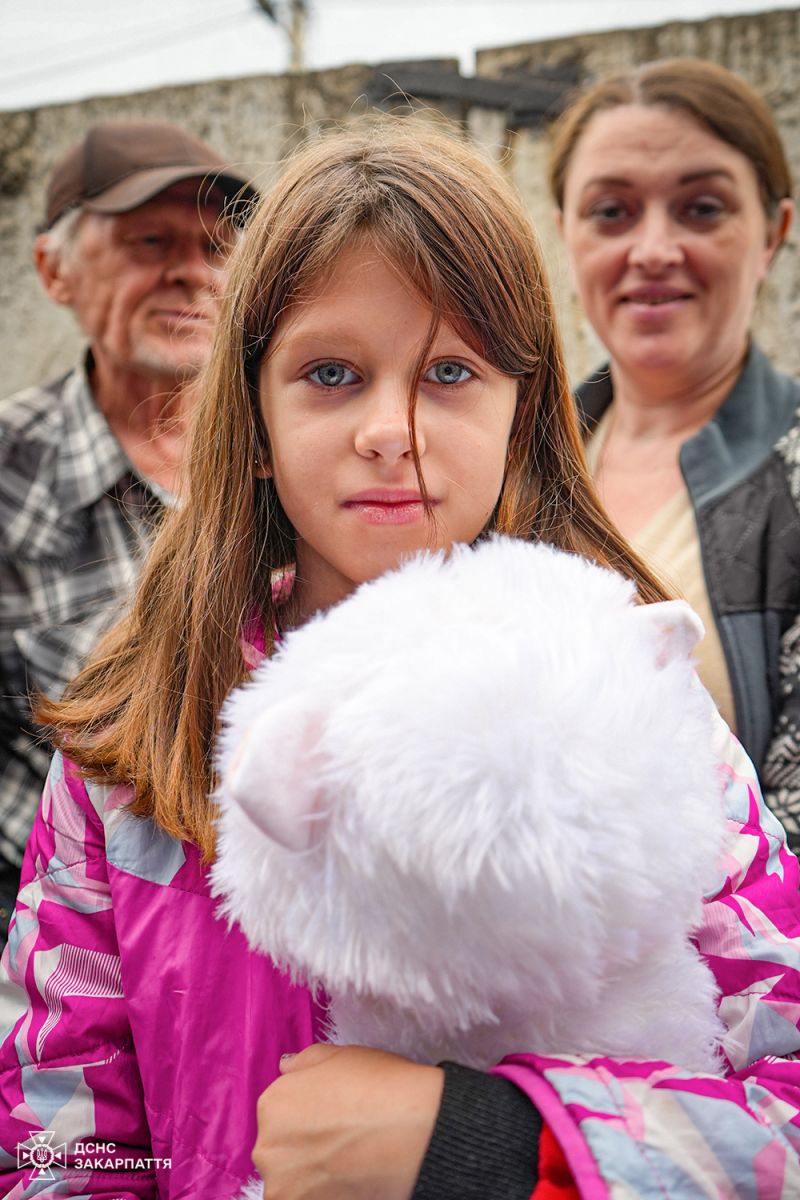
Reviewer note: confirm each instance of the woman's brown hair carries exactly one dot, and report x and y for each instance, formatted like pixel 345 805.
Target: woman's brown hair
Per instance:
pixel 144 710
pixel 717 99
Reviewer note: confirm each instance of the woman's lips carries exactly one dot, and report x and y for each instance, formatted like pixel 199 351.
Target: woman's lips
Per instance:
pixel 395 507
pixel 654 298
pixel 654 304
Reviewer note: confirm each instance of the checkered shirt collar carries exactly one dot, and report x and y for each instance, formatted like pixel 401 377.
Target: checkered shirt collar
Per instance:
pixel 90 459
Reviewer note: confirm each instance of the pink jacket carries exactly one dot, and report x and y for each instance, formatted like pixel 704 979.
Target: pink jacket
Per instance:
pixel 145 1081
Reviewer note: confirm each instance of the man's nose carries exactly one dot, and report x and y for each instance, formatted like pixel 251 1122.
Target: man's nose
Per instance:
pixel 197 264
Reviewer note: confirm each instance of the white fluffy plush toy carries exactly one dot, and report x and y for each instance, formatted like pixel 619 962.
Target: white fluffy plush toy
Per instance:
pixel 477 802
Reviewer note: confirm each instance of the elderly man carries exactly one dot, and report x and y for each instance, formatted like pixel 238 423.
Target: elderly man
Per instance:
pixel 139 223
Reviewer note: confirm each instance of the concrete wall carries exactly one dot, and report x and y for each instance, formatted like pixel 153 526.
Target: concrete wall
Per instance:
pixel 255 120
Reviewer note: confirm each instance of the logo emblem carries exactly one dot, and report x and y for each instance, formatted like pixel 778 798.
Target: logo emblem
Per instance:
pixel 39 1153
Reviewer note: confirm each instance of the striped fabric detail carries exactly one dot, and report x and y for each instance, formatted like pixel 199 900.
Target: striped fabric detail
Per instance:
pixel 79 972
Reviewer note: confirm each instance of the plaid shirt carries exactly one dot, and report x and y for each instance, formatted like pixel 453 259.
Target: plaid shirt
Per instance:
pixel 74 522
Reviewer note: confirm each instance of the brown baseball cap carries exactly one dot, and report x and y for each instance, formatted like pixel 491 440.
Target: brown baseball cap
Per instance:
pixel 121 164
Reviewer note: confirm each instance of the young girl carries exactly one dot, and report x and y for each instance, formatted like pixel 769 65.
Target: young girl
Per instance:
pixel 386 377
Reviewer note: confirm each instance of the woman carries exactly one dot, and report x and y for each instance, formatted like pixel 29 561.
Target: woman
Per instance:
pixel 673 196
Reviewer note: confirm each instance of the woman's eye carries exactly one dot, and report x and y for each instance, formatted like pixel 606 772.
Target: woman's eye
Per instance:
pixel 609 212
pixel 332 374
pixel 448 373
pixel 704 208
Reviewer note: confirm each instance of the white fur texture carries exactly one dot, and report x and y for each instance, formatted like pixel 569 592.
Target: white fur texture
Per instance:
pixel 477 802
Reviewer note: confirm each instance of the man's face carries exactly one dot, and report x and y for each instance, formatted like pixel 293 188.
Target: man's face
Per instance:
pixel 145 285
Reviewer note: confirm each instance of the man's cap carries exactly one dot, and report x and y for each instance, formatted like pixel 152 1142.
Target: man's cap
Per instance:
pixel 121 164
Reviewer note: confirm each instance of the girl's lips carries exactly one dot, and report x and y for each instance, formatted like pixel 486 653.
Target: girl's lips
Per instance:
pixel 387 508
pixel 388 514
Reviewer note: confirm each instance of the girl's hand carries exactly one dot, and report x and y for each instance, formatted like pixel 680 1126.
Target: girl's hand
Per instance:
pixel 346 1123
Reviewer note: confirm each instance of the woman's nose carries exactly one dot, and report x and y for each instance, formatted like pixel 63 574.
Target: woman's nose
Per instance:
pixel 656 243
pixel 383 430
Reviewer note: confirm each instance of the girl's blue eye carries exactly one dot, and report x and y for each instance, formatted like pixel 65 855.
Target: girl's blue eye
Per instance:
pixel 332 375
pixel 448 372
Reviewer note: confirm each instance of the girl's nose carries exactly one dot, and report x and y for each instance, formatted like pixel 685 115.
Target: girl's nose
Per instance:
pixel 383 430
pixel 656 244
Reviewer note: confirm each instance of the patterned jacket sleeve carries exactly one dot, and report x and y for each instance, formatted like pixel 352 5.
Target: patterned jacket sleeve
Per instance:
pixel 68 1072
pixel 652 1131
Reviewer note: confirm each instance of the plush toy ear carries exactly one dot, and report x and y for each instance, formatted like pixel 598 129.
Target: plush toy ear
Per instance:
pixel 271 774
pixel 676 628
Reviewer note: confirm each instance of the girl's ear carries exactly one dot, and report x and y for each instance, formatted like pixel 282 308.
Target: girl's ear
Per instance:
pixel 262 470
pixel 273 774
pixel 558 218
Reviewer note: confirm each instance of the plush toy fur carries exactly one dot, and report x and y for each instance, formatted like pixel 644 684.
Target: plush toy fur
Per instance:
pixel 477 802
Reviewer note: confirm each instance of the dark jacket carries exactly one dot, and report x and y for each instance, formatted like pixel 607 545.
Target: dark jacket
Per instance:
pixel 742 470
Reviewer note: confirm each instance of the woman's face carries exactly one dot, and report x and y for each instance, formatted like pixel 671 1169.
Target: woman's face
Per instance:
pixel 668 242
pixel 334 398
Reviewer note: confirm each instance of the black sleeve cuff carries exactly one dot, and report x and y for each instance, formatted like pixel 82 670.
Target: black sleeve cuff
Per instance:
pixel 485 1143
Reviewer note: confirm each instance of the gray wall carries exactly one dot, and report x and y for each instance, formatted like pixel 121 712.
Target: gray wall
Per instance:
pixel 254 121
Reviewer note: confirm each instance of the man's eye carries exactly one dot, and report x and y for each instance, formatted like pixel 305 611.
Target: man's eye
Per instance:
pixel 448 372
pixel 332 374
pixel 148 245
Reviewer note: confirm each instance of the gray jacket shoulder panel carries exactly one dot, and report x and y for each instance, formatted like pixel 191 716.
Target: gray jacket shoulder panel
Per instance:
pixel 760 408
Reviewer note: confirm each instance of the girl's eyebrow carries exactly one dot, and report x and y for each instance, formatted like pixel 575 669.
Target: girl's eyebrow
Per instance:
pixel 325 333
pixel 297 338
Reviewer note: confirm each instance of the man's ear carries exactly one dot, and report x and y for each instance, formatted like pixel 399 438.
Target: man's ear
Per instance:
pixel 50 270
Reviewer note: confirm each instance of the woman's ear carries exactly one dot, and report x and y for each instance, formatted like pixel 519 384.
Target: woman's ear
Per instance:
pixel 558 218
pixel 779 227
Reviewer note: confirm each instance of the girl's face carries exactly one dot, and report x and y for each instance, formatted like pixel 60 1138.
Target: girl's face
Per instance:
pixel 334 397
pixel 668 241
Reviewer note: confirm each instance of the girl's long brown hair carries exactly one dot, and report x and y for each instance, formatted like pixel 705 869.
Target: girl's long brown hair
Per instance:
pixel 144 710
